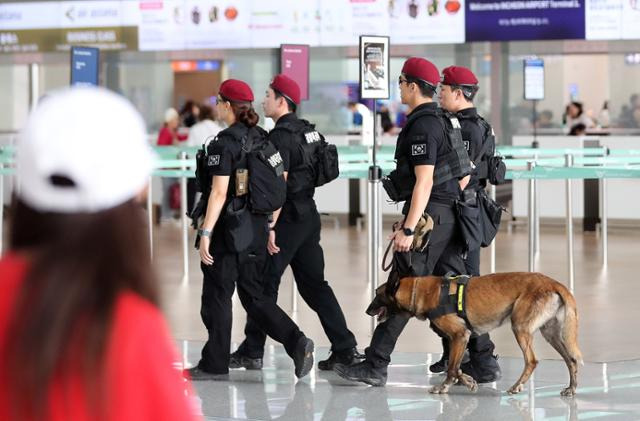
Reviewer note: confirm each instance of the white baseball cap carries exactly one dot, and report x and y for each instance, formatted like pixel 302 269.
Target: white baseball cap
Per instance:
pixel 83 149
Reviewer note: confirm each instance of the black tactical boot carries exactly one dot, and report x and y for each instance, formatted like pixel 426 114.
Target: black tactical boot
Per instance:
pixel 237 360
pixel 303 357
pixel 196 374
pixel 442 364
pixel 346 357
pixel 363 372
pixel 483 370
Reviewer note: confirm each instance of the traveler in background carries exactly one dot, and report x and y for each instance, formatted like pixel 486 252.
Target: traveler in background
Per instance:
pixel 169 136
pixel 575 115
pixel 78 299
pixel 189 113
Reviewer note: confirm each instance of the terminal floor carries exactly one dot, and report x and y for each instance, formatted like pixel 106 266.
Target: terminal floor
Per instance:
pixel 607 299
pixel 606 391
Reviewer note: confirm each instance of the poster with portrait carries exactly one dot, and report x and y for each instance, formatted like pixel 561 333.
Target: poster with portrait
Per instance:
pixel 374 67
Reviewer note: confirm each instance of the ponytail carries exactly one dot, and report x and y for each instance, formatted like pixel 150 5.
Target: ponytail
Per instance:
pixel 244 113
pixel 248 117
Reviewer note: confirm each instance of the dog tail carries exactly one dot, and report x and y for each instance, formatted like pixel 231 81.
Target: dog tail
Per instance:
pixel 570 325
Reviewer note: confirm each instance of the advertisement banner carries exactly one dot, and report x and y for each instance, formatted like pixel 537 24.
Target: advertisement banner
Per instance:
pixel 433 21
pixel 294 62
pixel 495 20
pixel 612 19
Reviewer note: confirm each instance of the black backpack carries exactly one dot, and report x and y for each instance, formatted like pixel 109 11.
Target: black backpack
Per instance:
pixel 489 166
pixel 267 186
pixel 320 158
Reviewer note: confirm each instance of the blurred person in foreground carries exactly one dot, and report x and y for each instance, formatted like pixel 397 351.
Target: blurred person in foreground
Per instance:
pixel 81 335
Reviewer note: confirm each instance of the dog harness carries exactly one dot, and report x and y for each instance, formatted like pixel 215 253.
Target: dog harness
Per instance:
pixel 449 303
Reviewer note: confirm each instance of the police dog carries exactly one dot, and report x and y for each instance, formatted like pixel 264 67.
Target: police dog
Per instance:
pixel 531 300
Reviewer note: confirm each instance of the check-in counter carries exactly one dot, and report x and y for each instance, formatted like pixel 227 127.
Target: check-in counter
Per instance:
pixel 623 203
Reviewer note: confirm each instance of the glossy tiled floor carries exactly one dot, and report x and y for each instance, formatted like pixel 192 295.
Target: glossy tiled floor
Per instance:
pixel 609 384
pixel 606 391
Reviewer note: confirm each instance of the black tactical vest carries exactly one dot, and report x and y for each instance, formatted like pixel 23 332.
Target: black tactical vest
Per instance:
pixel 455 163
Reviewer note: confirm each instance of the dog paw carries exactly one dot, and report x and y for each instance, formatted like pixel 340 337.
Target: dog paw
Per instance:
pixel 440 389
pixel 516 388
pixel 468 381
pixel 569 391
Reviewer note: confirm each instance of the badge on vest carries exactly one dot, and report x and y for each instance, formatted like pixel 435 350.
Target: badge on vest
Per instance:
pixel 213 160
pixel 312 137
pixel 275 160
pixel 420 149
pixel 454 122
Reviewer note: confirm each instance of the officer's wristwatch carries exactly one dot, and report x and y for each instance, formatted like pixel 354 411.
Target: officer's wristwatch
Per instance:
pixel 204 233
pixel 408 231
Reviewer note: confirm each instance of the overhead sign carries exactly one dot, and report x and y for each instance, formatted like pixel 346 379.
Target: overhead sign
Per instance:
pixel 612 19
pixel 85 66
pixel 534 79
pixel 294 62
pixel 497 20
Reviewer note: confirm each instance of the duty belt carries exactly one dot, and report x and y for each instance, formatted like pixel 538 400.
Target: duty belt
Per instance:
pixel 450 303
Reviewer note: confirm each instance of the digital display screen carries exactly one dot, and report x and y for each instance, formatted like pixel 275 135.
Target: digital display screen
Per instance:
pixel 534 79
pixel 84 66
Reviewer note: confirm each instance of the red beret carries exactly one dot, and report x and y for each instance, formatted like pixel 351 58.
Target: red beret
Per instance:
pixel 287 87
pixel 458 75
pixel 422 69
pixel 236 90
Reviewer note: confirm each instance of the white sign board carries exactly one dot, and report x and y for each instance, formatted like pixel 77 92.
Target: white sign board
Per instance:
pixel 534 79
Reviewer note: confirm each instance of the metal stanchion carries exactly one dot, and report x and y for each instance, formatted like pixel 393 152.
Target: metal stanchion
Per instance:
pixel 374 229
pixel 150 215
pixel 569 164
pixel 536 214
pixel 603 216
pixel 185 224
pixel 531 214
pixel 492 266
pixel 603 223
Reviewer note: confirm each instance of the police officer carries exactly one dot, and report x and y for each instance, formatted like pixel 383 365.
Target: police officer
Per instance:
pixel 458 88
pixel 423 154
pixel 222 266
pixel 294 235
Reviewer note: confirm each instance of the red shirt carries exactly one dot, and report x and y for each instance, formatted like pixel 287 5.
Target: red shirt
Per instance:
pixel 166 136
pixel 142 382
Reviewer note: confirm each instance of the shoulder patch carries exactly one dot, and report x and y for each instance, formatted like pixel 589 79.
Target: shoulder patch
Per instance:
pixel 419 149
pixel 213 160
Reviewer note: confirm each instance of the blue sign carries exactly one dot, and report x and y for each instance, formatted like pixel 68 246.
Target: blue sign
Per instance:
pixel 84 66
pixel 207 65
pixel 496 20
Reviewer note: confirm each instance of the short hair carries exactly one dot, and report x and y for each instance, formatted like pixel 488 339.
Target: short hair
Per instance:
pixel 426 89
pixel 290 104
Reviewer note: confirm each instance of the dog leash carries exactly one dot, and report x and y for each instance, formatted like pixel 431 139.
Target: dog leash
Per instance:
pixel 386 252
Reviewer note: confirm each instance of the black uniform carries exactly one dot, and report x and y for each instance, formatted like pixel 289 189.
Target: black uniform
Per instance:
pixel 243 269
pixel 298 236
pixel 473 134
pixel 424 143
